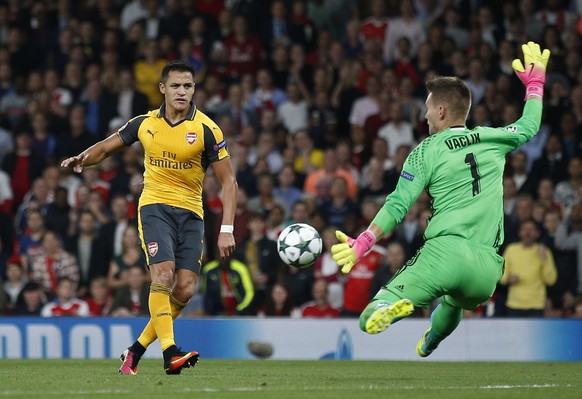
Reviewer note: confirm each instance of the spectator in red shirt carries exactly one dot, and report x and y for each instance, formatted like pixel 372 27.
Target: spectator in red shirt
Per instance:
pixel 374 27
pixel 99 298
pixel 65 303
pixel 245 51
pixel 320 306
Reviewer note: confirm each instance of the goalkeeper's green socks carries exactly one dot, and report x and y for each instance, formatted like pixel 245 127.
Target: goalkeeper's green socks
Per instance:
pixel 444 319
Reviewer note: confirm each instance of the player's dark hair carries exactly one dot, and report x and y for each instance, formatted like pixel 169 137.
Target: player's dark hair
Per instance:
pixel 452 91
pixel 176 66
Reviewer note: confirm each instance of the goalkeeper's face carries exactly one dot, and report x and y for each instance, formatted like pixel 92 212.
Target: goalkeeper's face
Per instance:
pixel 178 90
pixel 434 115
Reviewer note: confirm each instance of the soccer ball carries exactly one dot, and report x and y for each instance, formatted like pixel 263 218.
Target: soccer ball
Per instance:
pixel 299 245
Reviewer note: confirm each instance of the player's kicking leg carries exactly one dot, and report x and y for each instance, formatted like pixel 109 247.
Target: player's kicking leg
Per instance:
pixel 380 314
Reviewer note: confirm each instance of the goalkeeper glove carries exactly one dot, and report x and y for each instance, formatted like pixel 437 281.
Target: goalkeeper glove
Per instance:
pixel 349 251
pixel 533 75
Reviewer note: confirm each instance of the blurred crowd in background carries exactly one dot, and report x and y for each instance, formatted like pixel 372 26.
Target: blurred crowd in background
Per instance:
pixel 320 101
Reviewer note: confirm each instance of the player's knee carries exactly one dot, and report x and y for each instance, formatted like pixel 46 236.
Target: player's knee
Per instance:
pixel 163 273
pixel 184 290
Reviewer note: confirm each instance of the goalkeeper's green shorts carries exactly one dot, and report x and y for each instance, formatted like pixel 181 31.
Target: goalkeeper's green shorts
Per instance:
pixel 465 274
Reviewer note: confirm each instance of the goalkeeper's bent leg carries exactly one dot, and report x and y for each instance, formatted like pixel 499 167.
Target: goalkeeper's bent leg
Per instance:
pixel 444 319
pixel 148 334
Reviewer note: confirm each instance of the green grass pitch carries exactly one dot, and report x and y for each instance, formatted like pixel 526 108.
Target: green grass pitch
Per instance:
pixel 218 379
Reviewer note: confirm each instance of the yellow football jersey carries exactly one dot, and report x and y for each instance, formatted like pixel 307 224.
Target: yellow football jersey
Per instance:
pixel 176 156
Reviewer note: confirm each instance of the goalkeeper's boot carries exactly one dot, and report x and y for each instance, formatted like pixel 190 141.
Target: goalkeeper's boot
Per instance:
pixel 130 360
pixel 427 344
pixel 386 313
pixel 175 360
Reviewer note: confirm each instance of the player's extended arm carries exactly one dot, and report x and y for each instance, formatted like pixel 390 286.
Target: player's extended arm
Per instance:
pixel 533 76
pixel 94 154
pixel 411 183
pixel 226 175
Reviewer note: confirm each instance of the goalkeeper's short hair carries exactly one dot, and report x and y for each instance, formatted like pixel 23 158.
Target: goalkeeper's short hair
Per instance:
pixel 452 91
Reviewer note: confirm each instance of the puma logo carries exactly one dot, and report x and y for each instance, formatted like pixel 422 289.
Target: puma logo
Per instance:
pixel 152 133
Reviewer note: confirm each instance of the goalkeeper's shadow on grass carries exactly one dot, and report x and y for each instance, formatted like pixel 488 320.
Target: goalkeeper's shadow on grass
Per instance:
pixel 261 350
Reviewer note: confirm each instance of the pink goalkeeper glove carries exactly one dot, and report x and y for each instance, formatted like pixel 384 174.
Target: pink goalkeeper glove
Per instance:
pixel 533 75
pixel 349 251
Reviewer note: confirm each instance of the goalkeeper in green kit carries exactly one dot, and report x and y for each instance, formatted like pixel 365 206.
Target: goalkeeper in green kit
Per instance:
pixel 462 171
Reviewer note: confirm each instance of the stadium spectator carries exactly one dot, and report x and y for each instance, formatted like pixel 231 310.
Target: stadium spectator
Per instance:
pixel 339 208
pixel 245 51
pixel 267 148
pixel 29 244
pixel 398 131
pixel 523 183
pixel 566 284
pixel 569 237
pixel 65 302
pixel 112 232
pixel 321 178
pixel 15 281
pixel 6 195
pixel 409 232
pixel 307 157
pixel 76 137
pixel 259 253
pixel 326 269
pixel 265 200
pixel 147 72
pixel 405 25
pixel 233 107
pixel 292 112
pixel 320 307
pixel 227 288
pixel 529 268
pixel 23 166
pixel 99 297
pixel 279 303
pixel 128 101
pixel 566 191
pixel 132 299
pixel 30 301
pixel 394 259
pixel 552 163
pixel 87 247
pixel 51 263
pixel 286 190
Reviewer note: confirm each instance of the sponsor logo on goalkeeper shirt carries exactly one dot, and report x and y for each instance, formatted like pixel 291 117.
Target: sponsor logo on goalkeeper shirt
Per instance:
pixel 406 175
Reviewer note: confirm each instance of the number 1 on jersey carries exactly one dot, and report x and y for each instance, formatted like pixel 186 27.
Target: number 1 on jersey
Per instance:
pixel 472 162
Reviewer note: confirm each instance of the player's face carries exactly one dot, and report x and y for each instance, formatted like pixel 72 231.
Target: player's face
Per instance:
pixel 432 115
pixel 178 90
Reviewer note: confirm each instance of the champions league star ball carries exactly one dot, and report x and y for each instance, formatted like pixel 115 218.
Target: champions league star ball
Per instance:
pixel 299 245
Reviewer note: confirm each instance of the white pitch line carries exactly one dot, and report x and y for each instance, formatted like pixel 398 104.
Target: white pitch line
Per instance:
pixel 7 393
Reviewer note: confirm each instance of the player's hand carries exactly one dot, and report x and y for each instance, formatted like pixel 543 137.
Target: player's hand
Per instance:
pixel 533 75
pixel 349 251
pixel 76 163
pixel 226 245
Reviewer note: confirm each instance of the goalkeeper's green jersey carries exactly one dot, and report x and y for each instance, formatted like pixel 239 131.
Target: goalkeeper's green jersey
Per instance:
pixel 462 171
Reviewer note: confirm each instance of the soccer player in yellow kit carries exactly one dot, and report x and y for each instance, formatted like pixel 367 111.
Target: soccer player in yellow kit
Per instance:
pixel 180 142
pixel 462 169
